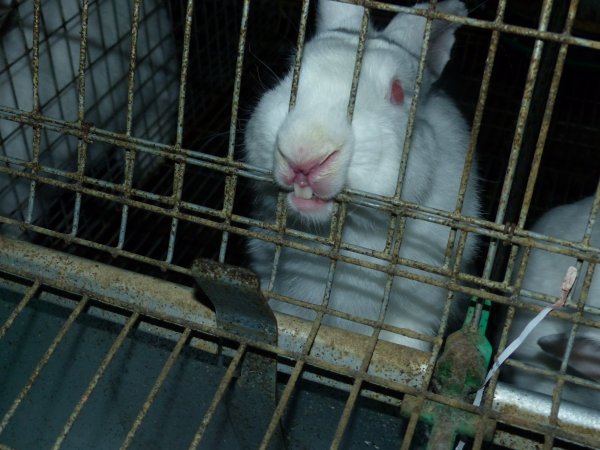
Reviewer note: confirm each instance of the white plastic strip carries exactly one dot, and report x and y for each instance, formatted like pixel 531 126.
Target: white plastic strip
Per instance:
pixel 565 287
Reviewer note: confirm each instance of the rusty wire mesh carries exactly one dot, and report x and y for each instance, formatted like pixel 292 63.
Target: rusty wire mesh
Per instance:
pixel 159 181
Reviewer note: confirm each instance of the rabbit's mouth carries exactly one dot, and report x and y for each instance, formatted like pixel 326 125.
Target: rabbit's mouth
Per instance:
pixel 308 204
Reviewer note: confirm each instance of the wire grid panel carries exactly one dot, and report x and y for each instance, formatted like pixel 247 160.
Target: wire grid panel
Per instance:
pixel 137 364
pixel 175 209
pixel 70 65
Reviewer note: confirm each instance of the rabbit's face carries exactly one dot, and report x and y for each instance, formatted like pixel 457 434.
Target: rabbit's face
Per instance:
pixel 314 149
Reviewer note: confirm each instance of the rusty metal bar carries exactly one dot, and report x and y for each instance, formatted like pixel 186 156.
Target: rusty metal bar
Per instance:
pixel 594 215
pixel 533 411
pixel 157 385
pixel 483 24
pixel 589 256
pixel 367 355
pixel 179 170
pixel 43 361
pixel 35 56
pixel 217 398
pixel 177 305
pixel 299 52
pixel 237 84
pixel 312 335
pixel 35 74
pixel 556 401
pixel 82 143
pixel 33 290
pixel 241 309
pixel 489 229
pixel 101 369
pixel 382 203
pixel 412 112
pixel 298 368
pixel 360 51
pixel 543 92
pixel 231 180
pixel 548 110
pixel 476 125
pixel 524 109
pixel 130 154
pixel 531 183
pixel 481 100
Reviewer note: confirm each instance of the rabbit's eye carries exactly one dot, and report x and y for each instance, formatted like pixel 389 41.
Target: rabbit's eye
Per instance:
pixel 396 92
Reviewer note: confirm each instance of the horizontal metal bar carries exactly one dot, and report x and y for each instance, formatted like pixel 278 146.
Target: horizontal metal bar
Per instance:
pixel 447 284
pixel 392 366
pixel 483 24
pixel 177 304
pixel 579 424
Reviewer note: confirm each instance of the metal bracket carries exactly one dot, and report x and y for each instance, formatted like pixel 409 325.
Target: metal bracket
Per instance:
pixel 458 374
pixel 241 309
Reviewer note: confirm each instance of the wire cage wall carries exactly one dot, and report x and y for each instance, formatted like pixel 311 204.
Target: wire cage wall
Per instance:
pixel 122 162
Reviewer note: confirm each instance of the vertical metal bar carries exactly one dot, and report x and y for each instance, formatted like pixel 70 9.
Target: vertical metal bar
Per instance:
pixel 130 154
pixel 594 213
pixel 101 369
pixel 357 385
pixel 553 418
pixel 547 58
pixel 280 221
pixel 481 100
pixel 547 117
pixel 360 51
pixel 316 324
pixel 477 120
pixel 35 75
pixel 37 136
pixel 299 52
pixel 82 143
pixel 22 304
pixel 180 167
pixel 135 23
pixel 231 180
pixel 220 392
pixel 42 362
pixel 518 138
pixel 240 308
pixel 228 199
pixel 476 128
pixel 35 56
pixel 281 209
pixel 410 125
pixel 412 425
pixel 237 84
pixel 285 397
pixel 157 385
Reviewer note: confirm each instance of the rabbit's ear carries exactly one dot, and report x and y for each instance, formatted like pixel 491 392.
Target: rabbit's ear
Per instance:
pixel 408 30
pixel 585 355
pixel 332 15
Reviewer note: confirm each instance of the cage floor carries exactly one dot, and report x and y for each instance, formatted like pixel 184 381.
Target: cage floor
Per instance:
pixel 120 393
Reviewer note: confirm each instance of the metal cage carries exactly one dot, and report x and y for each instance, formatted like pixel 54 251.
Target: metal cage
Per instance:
pixel 121 133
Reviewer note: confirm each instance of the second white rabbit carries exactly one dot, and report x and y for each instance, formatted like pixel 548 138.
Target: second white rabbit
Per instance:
pixel 545 346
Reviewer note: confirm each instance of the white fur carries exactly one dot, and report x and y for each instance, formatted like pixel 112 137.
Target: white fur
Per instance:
pixel 368 159
pixel 155 92
pixel 544 274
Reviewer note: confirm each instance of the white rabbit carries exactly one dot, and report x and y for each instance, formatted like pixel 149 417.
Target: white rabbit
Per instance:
pixel 544 274
pixel 315 152
pixel 109 30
